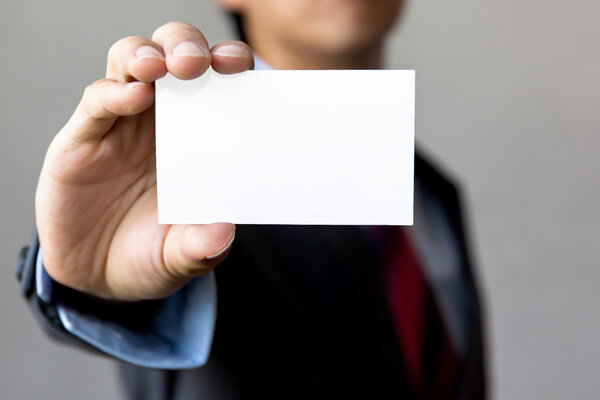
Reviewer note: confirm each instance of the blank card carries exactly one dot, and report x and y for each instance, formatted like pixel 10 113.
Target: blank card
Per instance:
pixel 286 147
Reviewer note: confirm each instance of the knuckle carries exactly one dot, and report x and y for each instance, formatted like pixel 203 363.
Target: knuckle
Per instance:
pixel 161 29
pixel 115 47
pixel 91 103
pixel 89 90
pixel 92 88
pixel 173 27
pixel 126 41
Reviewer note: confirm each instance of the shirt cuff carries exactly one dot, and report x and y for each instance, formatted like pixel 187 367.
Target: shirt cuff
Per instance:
pixel 173 333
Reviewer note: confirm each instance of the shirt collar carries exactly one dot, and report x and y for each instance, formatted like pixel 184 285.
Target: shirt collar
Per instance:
pixel 260 64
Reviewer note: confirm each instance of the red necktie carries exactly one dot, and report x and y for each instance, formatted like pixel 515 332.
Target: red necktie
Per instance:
pixel 431 362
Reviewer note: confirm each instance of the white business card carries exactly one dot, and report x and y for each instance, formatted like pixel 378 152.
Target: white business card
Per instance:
pixel 286 147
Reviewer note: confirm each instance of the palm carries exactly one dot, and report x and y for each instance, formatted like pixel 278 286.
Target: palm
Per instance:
pixel 106 199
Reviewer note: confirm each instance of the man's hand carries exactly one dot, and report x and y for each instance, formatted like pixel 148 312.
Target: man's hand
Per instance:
pixel 96 209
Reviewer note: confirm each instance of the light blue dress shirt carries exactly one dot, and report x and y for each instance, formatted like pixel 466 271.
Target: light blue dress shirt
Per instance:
pixel 179 335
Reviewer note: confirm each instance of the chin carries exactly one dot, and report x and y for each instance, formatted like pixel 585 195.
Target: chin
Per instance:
pixel 348 41
pixel 346 32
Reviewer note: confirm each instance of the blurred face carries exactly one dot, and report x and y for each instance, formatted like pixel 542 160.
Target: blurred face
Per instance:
pixel 333 26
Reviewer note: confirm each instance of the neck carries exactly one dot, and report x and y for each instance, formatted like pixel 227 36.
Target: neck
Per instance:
pixel 286 57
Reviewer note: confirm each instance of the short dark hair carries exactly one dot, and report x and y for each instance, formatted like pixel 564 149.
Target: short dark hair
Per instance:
pixel 238 23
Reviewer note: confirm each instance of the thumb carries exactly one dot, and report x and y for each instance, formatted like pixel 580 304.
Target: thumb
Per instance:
pixel 194 250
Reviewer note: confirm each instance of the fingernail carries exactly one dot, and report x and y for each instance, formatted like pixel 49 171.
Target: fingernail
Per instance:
pixel 148 52
pixel 190 49
pixel 230 50
pixel 136 83
pixel 223 249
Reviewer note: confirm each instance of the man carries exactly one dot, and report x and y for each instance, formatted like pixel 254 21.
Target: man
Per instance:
pixel 303 311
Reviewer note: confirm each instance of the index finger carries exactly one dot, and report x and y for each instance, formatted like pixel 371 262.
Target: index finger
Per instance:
pixel 185 47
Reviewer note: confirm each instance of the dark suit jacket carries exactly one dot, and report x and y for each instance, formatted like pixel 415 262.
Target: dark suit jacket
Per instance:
pixel 302 314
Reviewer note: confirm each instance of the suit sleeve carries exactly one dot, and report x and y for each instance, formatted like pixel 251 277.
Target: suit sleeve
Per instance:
pixel 173 333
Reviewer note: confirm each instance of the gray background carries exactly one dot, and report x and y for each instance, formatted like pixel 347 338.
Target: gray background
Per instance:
pixel 508 100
